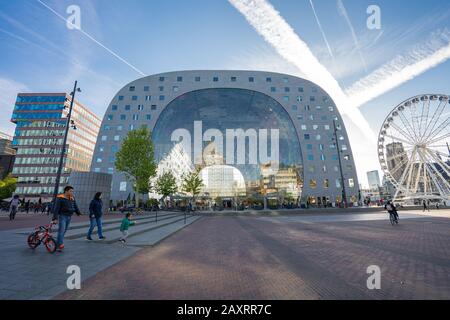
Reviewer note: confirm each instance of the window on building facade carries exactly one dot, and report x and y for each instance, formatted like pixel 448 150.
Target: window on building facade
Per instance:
pixel 132 88
pixel 161 79
pixel 146 88
pixel 104 138
pixel 110 117
pixel 251 79
pixel 197 79
pixel 268 79
pixel 127 107
pixel 116 138
pixel 120 98
pixel 134 98
pixel 179 79
pixel 351 183
pixel 123 186
pixel 312 184
pixel 114 107
pixel 326 183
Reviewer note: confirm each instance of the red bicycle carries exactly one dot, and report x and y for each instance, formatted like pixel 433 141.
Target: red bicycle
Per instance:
pixel 42 234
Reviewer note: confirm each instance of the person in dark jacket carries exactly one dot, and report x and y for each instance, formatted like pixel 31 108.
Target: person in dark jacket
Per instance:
pixel 65 206
pixel 95 216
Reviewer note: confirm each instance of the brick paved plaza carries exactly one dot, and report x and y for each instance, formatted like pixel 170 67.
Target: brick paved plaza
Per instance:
pixel 291 256
pixel 300 257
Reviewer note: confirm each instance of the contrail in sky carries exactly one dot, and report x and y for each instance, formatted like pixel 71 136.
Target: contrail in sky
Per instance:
pixel 401 69
pixel 321 30
pixel 344 13
pixel 94 40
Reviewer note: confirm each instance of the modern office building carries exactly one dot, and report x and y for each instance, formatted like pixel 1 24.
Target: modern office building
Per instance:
pixel 286 123
pixel 7 155
pixel 374 179
pixel 40 120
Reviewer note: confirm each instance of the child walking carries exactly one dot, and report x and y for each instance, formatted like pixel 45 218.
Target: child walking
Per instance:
pixel 126 223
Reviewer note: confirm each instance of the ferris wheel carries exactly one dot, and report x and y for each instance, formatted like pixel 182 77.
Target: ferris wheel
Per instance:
pixel 413 148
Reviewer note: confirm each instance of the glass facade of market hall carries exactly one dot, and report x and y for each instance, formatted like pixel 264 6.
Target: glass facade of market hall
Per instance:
pixel 230 108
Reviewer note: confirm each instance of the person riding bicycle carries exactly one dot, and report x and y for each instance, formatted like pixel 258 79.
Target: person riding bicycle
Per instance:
pixel 390 207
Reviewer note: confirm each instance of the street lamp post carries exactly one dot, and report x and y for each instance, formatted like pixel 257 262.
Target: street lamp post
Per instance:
pixel 66 133
pixel 344 195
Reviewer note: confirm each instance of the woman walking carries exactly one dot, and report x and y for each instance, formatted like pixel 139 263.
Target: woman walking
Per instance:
pixel 95 216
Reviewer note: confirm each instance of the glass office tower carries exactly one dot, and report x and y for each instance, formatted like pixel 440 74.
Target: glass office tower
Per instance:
pixel 41 120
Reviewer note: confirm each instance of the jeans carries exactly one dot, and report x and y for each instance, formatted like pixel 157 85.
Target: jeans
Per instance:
pixel 96 222
pixel 125 234
pixel 12 214
pixel 64 222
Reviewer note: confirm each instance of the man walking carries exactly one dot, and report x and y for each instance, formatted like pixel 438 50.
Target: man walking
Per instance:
pixel 425 206
pixel 14 204
pixel 63 209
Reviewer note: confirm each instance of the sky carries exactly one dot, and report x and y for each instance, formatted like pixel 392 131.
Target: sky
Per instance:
pixel 123 39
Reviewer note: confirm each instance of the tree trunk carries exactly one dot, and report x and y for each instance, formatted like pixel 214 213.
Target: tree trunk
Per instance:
pixel 137 200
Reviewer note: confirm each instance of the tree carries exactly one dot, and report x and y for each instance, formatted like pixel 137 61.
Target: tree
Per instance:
pixel 7 187
pixel 136 160
pixel 166 185
pixel 192 183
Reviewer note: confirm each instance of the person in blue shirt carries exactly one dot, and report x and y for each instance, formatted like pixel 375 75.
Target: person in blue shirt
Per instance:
pixel 95 216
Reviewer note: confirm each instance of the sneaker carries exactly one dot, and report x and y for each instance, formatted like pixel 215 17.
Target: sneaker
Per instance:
pixel 60 248
pixel 101 238
pixel 89 238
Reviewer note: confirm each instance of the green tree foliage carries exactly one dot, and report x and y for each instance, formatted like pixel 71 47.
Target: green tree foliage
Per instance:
pixel 192 183
pixel 166 185
pixel 7 187
pixel 136 159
